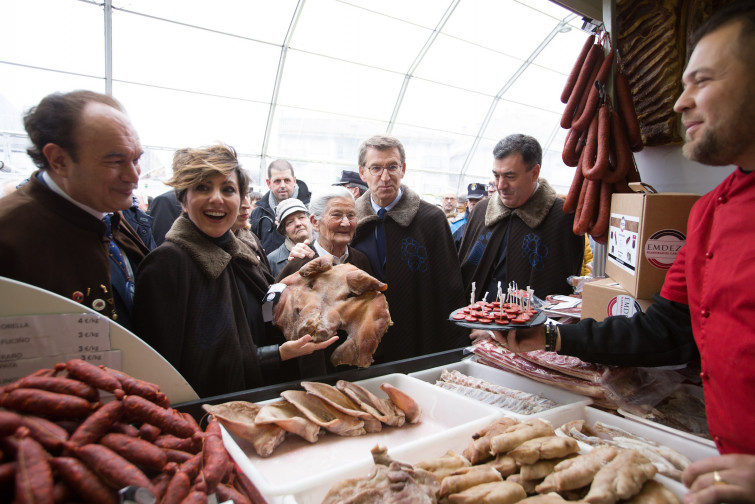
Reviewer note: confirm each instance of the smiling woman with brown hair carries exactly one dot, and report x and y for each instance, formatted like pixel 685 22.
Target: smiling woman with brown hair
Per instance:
pixel 198 294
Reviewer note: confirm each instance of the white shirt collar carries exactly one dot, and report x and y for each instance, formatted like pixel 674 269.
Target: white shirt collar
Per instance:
pixel 324 253
pixel 393 203
pixel 58 190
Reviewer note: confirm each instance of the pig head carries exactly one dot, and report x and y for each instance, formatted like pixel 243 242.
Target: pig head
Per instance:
pixel 321 298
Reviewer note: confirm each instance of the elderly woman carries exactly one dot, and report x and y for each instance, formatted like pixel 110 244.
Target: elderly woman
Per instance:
pixel 334 219
pixel 198 294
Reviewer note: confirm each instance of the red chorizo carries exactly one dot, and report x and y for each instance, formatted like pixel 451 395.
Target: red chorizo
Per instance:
pixel 571 80
pixel 34 480
pixel 7 477
pixel 191 467
pixel 593 56
pixel 97 424
pixel 593 98
pixel 625 105
pixel 245 486
pixel 580 203
pixel 190 444
pixel 148 432
pixel 213 428
pixel 572 197
pixel 62 493
pixel 9 422
pixel 228 493
pixel 569 155
pixel 622 154
pixel 178 456
pixel 603 216
pixel 48 434
pixel 93 375
pixel 124 428
pixel 134 386
pixel 168 420
pixel 160 484
pixel 215 461
pixel 47 404
pixel 192 421
pixel 83 481
pixel 137 451
pixel 195 497
pixel 57 384
pixel 583 101
pixel 115 471
pixel 178 488
pixel 588 209
pixel 598 146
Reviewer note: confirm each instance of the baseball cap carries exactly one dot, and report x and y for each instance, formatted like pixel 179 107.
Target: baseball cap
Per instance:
pixel 350 177
pixel 476 190
pixel 286 208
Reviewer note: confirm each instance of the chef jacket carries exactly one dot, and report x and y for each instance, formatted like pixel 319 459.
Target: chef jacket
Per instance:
pixel 714 273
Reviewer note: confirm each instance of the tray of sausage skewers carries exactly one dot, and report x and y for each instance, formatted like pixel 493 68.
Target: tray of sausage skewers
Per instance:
pixel 510 311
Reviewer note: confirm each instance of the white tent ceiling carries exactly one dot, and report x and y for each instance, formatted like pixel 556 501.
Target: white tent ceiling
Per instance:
pixel 305 80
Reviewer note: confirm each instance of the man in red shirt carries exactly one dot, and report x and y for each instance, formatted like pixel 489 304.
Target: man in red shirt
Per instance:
pixel 706 306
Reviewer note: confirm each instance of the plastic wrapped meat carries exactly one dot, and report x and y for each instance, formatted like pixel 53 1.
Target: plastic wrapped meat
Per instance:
pixel 321 298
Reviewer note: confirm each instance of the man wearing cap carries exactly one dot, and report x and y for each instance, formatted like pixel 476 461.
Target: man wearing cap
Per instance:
pixel 353 182
pixel 283 185
pixel 475 193
pixel 293 222
pixel 521 234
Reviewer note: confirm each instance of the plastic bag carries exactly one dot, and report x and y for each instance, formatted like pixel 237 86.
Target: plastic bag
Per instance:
pixel 638 390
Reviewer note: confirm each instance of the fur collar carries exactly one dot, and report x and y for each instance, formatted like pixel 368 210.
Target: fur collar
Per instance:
pixel 403 213
pixel 212 259
pixel 533 212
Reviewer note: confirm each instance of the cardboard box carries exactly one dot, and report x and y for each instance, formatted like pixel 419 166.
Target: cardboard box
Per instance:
pixel 605 298
pixel 646 232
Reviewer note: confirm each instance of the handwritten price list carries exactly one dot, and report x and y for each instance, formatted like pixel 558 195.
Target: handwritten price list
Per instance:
pixel 30 343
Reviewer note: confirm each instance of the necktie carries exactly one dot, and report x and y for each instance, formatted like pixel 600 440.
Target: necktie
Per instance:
pixel 119 275
pixel 380 237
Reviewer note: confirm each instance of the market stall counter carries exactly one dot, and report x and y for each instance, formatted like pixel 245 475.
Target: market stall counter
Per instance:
pixel 406 366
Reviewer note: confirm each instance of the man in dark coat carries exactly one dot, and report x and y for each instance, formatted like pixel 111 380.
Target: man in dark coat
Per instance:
pixel 164 210
pixel 410 248
pixel 520 234
pixel 283 185
pixel 53 233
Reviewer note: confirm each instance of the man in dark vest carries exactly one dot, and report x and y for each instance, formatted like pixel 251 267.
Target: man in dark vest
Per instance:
pixel 520 234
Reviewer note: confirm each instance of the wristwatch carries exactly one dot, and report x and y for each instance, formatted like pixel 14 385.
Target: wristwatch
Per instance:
pixel 551 335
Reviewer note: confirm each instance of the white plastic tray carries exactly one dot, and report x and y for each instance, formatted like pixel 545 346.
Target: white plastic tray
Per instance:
pixel 513 381
pixel 692 449
pixel 307 471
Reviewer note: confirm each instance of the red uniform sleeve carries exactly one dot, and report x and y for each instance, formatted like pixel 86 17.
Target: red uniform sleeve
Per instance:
pixel 675 285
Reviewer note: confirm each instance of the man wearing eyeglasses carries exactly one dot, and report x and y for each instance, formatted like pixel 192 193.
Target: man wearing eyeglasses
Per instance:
pixel 409 244
pixel 521 234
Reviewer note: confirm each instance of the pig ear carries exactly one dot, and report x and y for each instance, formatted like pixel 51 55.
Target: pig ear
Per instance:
pixel 316 266
pixel 360 282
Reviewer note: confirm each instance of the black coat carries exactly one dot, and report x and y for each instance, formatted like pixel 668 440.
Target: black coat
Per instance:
pixel 422 273
pixel 198 305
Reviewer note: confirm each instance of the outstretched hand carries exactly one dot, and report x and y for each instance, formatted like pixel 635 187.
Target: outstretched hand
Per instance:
pixel 736 480
pixel 303 346
pixel 525 339
pixel 301 251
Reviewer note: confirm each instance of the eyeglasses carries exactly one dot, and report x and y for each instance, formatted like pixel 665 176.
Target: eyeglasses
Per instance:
pixel 378 170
